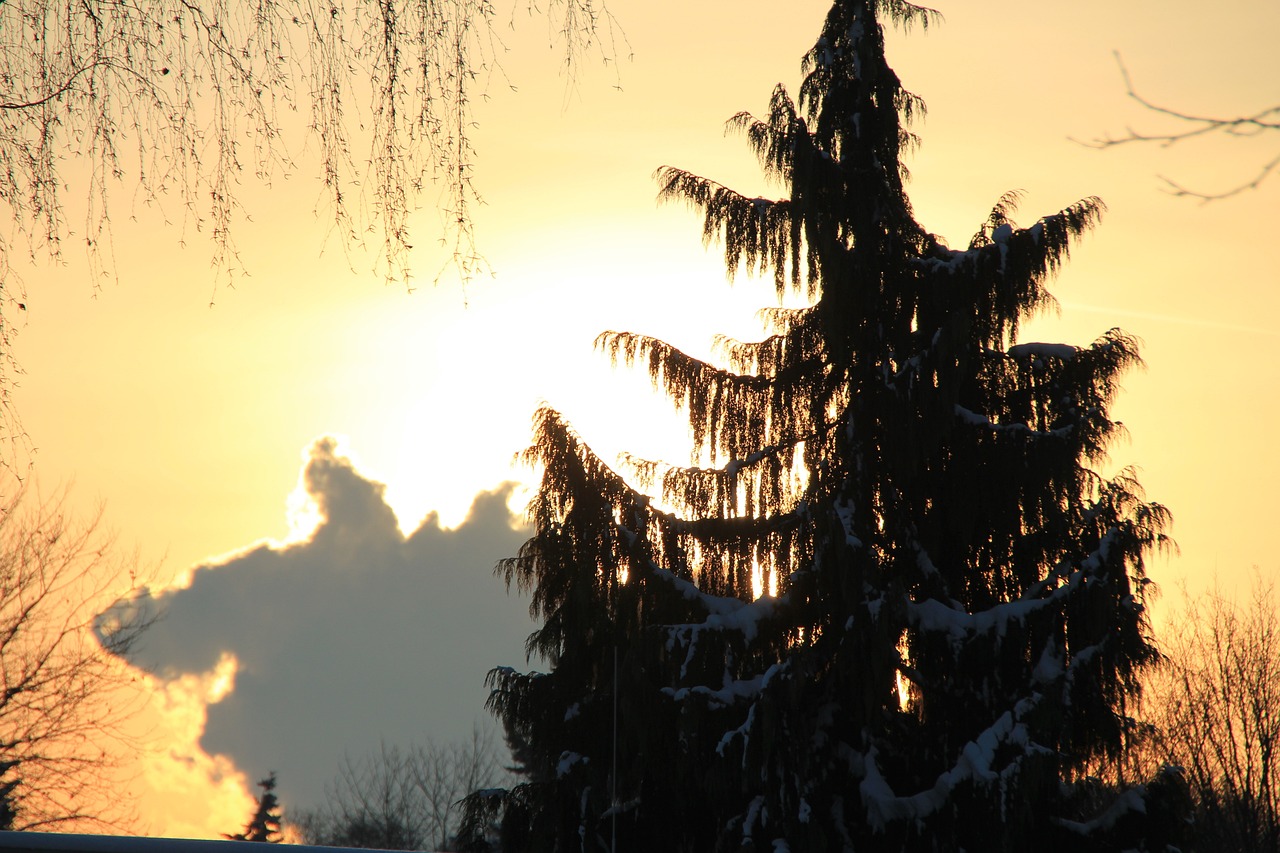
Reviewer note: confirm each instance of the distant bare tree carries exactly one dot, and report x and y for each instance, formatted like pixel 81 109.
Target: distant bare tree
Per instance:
pixel 60 709
pixel 1215 707
pixel 402 799
pixel 1191 125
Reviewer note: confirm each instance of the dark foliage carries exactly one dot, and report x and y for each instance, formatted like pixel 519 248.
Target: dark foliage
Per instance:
pixel 264 826
pixel 8 797
pixel 893 605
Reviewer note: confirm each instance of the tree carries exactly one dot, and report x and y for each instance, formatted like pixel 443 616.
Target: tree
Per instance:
pixel 264 826
pixel 60 707
pixel 188 97
pixel 8 795
pixel 1215 713
pixel 185 98
pixel 892 603
pixel 402 799
pixel 1193 125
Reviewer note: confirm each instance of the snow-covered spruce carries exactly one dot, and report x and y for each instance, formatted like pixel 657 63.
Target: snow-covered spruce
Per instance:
pixel 896 607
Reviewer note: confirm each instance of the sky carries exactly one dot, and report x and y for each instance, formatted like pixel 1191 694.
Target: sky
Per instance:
pixel 316 468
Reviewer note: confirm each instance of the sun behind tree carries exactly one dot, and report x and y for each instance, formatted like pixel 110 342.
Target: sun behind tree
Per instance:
pixel 955 620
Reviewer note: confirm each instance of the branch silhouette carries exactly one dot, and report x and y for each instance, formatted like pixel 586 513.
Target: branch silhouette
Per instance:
pixel 1194 126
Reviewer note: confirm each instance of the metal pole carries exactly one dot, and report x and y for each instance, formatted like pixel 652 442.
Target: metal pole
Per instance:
pixel 614 794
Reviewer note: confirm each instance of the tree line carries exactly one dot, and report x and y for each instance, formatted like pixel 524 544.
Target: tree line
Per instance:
pixel 1210 709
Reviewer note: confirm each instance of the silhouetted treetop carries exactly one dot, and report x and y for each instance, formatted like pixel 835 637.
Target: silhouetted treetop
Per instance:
pixel 264 826
pixel 893 602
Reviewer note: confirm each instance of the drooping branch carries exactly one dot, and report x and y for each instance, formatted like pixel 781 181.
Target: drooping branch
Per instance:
pixel 730 413
pixel 200 85
pixel 1010 265
pixel 757 231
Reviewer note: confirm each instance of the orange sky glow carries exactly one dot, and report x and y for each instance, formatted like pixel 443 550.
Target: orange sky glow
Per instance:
pixel 190 421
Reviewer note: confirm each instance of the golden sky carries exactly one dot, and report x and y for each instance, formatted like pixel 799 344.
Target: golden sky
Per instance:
pixel 191 421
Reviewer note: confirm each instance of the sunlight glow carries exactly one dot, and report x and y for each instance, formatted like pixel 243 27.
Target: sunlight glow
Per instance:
pixel 302 513
pixel 222 680
pixel 904 691
pixel 904 686
pixel 763 581
pixel 191 794
pixel 198 411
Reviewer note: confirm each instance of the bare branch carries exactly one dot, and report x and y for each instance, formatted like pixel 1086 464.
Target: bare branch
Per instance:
pixel 60 710
pixel 183 99
pixel 1195 126
pixel 1215 710
pixel 402 798
pixel 1263 173
pixel 205 89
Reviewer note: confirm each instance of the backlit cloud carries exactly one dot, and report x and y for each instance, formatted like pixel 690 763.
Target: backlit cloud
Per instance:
pixel 352 635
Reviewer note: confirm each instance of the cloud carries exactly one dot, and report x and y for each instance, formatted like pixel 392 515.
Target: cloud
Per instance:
pixel 184 792
pixel 354 635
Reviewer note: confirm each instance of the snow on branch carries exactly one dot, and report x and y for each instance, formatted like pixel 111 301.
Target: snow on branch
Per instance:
pixel 568 759
pixel 1035 350
pixel 1132 801
pixel 730 690
pixel 1035 251
pixel 935 616
pixel 715 605
pixel 744 621
pixel 972 418
pixel 975 763
pixel 724 613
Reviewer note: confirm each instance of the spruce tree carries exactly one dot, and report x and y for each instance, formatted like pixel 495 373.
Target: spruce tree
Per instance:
pixel 264 826
pixel 9 794
pixel 893 604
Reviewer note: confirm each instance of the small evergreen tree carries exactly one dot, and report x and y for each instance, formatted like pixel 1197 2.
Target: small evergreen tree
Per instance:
pixel 892 605
pixel 265 823
pixel 8 796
